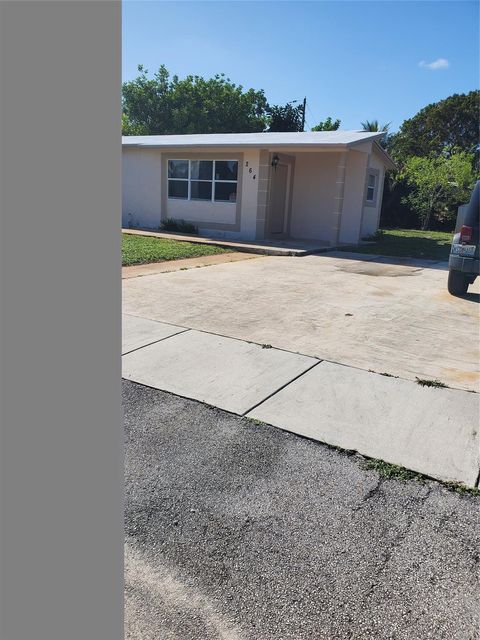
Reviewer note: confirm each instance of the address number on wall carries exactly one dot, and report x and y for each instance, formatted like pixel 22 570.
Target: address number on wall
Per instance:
pixel 250 170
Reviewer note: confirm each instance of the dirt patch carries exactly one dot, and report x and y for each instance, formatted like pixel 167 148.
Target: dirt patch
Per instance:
pixel 386 271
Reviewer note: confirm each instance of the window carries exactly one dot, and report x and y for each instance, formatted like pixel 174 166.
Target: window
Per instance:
pixel 371 187
pixel 209 180
pixel 178 179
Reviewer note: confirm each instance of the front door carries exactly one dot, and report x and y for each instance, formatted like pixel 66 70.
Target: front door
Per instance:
pixel 278 201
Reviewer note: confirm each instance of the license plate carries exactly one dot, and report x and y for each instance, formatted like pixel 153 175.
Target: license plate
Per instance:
pixel 464 250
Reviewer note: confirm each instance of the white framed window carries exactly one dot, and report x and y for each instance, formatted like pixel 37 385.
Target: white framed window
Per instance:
pixel 207 180
pixel 371 183
pixel 371 187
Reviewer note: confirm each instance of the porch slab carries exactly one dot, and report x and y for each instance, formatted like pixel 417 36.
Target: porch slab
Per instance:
pixel 429 430
pixel 138 332
pixel 223 372
pixel 268 247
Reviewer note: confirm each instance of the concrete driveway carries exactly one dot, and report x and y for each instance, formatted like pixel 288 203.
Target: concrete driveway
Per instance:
pixel 381 314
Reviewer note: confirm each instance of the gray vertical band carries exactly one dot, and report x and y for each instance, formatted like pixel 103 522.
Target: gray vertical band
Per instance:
pixel 61 444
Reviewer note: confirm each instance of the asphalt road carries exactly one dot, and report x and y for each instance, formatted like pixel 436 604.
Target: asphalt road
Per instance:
pixel 240 531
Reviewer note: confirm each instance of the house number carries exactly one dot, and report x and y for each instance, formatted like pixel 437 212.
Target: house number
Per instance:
pixel 251 171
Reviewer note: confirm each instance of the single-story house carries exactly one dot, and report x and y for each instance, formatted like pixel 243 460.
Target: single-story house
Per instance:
pixel 324 186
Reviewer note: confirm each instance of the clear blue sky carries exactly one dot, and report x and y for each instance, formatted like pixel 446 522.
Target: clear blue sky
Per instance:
pixel 353 60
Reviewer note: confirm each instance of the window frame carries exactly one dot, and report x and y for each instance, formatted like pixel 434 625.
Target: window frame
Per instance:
pixel 212 181
pixel 375 173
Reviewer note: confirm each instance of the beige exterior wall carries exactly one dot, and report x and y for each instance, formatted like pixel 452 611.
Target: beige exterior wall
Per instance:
pixel 141 188
pixel 314 190
pixel 371 214
pixel 327 199
pixel 199 211
pixel 250 193
pixel 145 202
pixel 356 167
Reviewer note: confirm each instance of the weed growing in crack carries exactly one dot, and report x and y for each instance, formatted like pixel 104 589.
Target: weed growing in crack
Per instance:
pixel 431 383
pixel 255 421
pixel 391 471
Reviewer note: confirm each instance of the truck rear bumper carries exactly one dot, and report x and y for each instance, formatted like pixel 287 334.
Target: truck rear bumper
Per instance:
pixel 466 265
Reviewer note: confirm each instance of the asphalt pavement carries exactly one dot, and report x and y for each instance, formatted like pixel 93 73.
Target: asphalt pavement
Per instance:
pixel 236 530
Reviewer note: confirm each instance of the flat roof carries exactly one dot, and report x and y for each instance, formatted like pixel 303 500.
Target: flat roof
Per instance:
pixel 283 139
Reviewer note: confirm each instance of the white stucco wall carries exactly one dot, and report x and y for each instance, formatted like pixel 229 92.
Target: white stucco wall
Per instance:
pixel 201 211
pixel 248 223
pixel 354 189
pixel 314 189
pixel 314 195
pixel 371 215
pixel 141 188
pixel 142 194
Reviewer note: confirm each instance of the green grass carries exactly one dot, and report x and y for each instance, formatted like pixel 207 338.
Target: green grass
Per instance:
pixel 390 471
pixel 143 249
pixel 411 243
pixel 431 383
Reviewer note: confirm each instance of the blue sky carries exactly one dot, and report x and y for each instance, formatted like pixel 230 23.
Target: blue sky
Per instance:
pixel 353 60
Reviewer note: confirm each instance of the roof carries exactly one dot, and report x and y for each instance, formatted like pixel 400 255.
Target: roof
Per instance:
pixel 298 139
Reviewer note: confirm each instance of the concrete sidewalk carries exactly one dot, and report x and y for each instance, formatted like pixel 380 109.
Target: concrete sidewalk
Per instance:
pixel 431 431
pixel 268 247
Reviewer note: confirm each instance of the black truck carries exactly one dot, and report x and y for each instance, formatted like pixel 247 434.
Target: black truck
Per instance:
pixel 464 263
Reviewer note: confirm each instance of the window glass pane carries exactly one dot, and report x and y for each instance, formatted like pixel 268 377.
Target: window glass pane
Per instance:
pixel 370 193
pixel 226 191
pixel 200 190
pixel 226 169
pixel 371 180
pixel 178 169
pixel 201 169
pixel 178 189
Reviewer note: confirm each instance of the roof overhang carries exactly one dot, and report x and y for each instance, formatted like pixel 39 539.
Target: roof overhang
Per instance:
pixel 389 163
pixel 333 141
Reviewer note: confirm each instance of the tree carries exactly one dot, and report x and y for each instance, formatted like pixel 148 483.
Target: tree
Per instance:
pixel 442 126
pixel 285 118
pixel 327 125
pixel 160 105
pixel 130 129
pixel 373 125
pixel 437 182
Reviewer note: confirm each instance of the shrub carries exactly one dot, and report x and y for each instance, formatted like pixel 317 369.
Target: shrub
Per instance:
pixel 171 224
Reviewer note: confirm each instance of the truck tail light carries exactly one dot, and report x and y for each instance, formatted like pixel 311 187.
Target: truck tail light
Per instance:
pixel 466 234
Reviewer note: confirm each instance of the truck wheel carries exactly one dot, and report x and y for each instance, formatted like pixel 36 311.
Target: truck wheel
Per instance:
pixel 457 283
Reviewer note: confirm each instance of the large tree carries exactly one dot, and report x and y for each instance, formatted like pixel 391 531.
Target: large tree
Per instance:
pixel 285 117
pixel 439 127
pixel 163 105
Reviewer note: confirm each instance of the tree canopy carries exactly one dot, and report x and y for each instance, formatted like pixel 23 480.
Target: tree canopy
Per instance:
pixel 449 124
pixel 438 182
pixel 163 105
pixel 327 125
pixel 374 125
pixel 285 118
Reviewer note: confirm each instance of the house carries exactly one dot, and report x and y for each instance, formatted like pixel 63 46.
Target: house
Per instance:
pixel 323 186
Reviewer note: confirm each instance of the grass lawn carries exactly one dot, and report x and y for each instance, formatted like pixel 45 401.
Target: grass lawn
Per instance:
pixel 143 249
pixel 433 245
